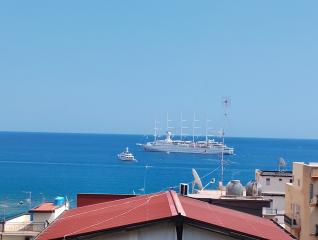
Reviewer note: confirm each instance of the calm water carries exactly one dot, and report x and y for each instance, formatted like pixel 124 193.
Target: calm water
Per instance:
pixel 65 164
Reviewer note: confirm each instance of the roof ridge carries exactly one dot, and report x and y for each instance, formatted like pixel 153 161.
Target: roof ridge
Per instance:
pixel 177 204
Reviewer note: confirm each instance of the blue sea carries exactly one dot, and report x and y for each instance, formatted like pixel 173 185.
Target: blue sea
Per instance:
pixel 57 164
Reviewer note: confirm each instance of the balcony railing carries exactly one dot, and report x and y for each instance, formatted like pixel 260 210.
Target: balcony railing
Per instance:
pixel 314 201
pixel 269 211
pixel 314 173
pixel 20 227
pixel 292 222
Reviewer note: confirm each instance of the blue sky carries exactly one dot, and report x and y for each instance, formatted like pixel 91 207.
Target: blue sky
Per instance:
pixel 116 66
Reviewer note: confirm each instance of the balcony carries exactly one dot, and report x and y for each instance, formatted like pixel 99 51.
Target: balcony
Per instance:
pixel 291 222
pixel 269 211
pixel 19 227
pixel 314 201
pixel 314 173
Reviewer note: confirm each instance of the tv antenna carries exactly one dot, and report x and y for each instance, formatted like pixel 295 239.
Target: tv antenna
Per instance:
pixel 226 102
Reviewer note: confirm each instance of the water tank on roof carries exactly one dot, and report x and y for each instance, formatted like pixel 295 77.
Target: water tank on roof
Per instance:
pixel 253 188
pixel 58 201
pixel 234 188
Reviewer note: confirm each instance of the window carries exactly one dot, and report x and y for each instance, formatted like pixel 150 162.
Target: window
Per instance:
pixel 311 192
pixel 280 179
pixel 295 214
pixel 268 181
pixel 291 180
pixel 298 182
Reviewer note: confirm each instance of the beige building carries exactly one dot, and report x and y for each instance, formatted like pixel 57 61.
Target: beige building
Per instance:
pixel 301 202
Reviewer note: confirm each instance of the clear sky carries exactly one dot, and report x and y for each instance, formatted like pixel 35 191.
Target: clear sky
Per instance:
pixel 116 66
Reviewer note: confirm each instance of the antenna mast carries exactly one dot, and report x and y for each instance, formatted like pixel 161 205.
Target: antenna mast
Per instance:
pixel 226 102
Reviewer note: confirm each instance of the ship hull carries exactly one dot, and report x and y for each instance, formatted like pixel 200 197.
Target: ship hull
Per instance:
pixel 186 149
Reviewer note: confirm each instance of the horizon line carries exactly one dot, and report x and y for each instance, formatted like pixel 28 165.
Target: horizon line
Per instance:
pixel 139 134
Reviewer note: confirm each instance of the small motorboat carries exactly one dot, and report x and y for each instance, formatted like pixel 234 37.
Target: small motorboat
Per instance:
pixel 126 156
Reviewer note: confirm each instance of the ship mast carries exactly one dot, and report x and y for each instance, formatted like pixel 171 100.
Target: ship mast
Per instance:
pixel 167 122
pixel 181 126
pixel 194 126
pixel 207 129
pixel 156 129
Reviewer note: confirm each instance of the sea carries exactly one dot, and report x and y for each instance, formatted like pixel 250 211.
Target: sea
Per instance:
pixel 37 167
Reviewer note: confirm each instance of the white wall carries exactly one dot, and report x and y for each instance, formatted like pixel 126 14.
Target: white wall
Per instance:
pixel 42 217
pixel 166 231
pixel 20 219
pixel 190 233
pixel 275 185
pixel 59 211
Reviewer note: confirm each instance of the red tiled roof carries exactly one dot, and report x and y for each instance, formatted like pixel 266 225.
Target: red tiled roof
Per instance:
pixel 154 207
pixel 84 199
pixel 44 207
pixel 110 215
pixel 231 219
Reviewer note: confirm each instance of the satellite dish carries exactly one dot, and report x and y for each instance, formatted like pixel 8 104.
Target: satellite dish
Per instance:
pixel 197 180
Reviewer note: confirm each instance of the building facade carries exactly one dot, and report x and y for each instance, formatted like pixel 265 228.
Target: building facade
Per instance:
pixel 272 184
pixel 301 201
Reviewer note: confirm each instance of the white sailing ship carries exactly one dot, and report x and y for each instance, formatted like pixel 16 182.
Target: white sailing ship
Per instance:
pixel 179 146
pixel 168 145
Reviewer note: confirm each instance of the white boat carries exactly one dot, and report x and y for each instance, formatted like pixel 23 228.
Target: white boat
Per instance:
pixel 126 156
